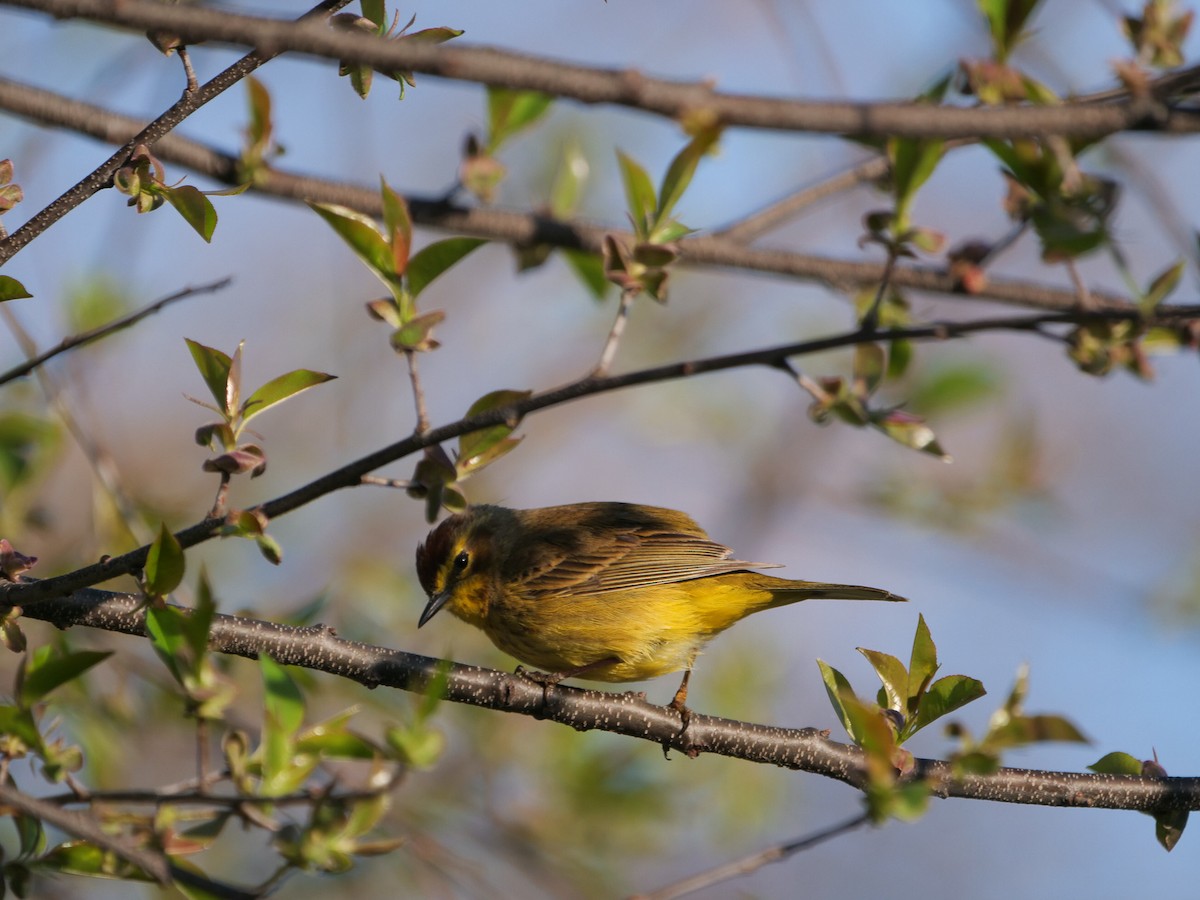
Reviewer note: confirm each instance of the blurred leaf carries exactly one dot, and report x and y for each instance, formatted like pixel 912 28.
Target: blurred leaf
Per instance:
pixel 913 161
pixel 435 259
pixel 639 193
pixel 1162 287
pixel 589 267
pixel 47 672
pixel 417 333
pixel 281 388
pixel 953 387
pixel 164 564
pixel 1168 827
pixel 680 172
pixel 282 699
pixel 570 178
pixel 511 111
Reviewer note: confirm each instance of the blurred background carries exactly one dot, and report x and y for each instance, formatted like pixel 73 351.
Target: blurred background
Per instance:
pixel 1063 536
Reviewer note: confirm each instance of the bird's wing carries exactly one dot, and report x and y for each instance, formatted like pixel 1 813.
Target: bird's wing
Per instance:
pixel 633 552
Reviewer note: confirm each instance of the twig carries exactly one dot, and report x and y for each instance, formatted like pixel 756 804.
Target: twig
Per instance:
pixel 523 228
pixel 752 863
pixel 614 334
pixel 871 320
pixel 155 865
pixel 630 714
pixel 103 331
pixel 775 215
pixel 351 474
pixel 102 464
pixel 672 99
pixel 101 176
pixel 414 378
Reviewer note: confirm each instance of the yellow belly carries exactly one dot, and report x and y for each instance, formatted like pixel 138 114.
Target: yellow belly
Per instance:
pixel 647 632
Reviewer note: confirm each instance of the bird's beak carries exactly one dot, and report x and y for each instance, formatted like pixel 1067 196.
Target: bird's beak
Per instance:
pixel 436 602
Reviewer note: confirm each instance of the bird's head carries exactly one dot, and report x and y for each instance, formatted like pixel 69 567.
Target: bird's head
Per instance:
pixel 457 564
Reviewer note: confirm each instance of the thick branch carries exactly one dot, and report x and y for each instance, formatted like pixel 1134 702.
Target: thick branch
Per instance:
pixel 806 749
pixel 523 229
pixel 625 87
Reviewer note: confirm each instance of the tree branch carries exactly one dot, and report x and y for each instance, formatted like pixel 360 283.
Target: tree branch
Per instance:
pixel 103 331
pixel 101 176
pixel 806 749
pixel 526 229
pixel 673 99
pixel 155 864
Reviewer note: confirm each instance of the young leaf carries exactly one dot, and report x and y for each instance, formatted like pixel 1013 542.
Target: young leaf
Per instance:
pixel 1117 763
pixel 398 227
pixel 589 268
pixel 837 687
pixel 944 696
pixel 164 564
pixel 680 172
pixel 281 388
pixel 196 209
pixel 922 664
pixel 893 675
pixel 166 629
pixel 11 289
pixel 362 236
pixel 569 180
pixel 511 111
pixel 214 368
pixel 282 699
pixel 475 443
pixel 639 194
pixel 47 672
pixel 435 259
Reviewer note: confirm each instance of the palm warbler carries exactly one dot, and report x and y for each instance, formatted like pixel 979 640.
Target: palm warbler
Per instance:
pixel 604 591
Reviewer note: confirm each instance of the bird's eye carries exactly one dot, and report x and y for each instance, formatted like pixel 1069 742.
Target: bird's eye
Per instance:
pixel 461 561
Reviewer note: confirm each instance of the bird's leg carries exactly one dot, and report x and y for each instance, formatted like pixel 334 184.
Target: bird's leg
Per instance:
pixel 677 703
pixel 549 679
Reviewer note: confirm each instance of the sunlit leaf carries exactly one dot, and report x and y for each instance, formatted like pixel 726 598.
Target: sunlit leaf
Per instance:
pixel 362 236
pixel 281 388
pixel 214 367
pixel 11 289
pixel 197 210
pixel 435 259
pixel 164 564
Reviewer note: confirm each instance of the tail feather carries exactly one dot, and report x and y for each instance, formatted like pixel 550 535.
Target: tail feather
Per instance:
pixel 785 591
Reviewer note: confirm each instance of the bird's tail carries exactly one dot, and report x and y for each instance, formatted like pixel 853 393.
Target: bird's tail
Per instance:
pixel 785 591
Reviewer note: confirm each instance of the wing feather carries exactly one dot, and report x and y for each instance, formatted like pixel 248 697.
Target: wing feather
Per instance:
pixel 629 547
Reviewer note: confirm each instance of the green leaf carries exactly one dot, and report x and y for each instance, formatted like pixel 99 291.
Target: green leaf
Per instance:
pixel 478 448
pixel 922 664
pixel 954 387
pixel 214 368
pixel 511 111
pixel 164 564
pixel 893 675
pixel 589 268
pixel 167 631
pixel 362 236
pixel 944 696
pixel 1162 287
pixel 282 699
pixel 376 11
pixel 397 223
pixel 1117 763
pixel 281 388
pixel 838 688
pixel 639 194
pixel 913 161
pixel 196 209
pixel 1168 827
pixel 435 259
pixel 11 289
pixel 680 172
pixel 47 673
pixel 569 180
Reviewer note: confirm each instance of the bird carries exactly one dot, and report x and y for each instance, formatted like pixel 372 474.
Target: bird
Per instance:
pixel 602 591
